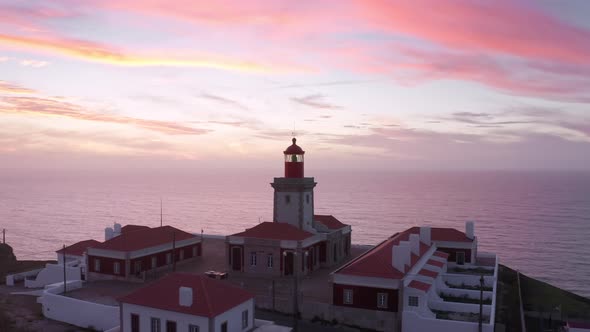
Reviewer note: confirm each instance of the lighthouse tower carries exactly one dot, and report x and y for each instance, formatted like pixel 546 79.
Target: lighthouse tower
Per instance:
pixel 293 196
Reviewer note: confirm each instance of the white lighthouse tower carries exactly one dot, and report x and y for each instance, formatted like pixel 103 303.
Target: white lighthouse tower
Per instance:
pixel 293 196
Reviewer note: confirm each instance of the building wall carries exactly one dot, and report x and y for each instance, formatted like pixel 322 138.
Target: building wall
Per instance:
pixel 77 312
pixel 106 265
pixel 365 297
pixel 53 273
pixel 146 261
pixel 233 317
pixel 297 209
pixel 453 253
pixel 146 313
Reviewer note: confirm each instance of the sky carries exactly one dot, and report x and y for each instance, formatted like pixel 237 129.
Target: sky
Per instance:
pixel 364 84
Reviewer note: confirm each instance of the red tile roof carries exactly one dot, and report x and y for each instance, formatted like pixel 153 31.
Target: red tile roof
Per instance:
pixel 435 263
pixel 275 231
pixel 428 273
pixel 133 228
pixel 210 297
pixel 419 285
pixel 329 221
pixel 377 262
pixel 78 248
pixel 441 254
pixel 446 234
pixel 140 239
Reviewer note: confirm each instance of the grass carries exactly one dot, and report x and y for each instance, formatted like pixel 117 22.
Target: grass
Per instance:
pixel 464 286
pixel 463 299
pixel 542 297
pixel 507 301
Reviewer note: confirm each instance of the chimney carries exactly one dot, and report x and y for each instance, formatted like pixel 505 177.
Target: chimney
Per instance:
pixel 185 296
pixel 415 244
pixel 117 229
pixel 425 235
pixel 404 247
pixel 396 259
pixel 108 233
pixel 469 229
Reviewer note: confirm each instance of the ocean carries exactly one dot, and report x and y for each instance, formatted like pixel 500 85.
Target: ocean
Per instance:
pixel 537 222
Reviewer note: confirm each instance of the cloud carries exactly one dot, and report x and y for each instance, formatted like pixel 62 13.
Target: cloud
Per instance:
pixel 6 87
pixel 100 53
pixel 33 63
pixel 223 100
pixel 50 107
pixel 315 101
pixel 3 59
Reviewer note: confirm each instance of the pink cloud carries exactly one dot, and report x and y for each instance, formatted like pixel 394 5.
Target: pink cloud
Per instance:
pixel 6 87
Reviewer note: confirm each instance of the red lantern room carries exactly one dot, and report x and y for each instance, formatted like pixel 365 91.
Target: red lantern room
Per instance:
pixel 294 161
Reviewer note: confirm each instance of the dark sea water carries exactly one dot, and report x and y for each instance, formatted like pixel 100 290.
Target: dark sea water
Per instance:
pixel 537 222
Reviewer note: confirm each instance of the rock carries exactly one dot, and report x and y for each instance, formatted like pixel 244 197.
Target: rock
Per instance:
pixel 6 255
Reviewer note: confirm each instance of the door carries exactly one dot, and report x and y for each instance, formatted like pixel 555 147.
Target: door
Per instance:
pixel 460 258
pixel 134 323
pixel 170 326
pixel 289 261
pixel 236 259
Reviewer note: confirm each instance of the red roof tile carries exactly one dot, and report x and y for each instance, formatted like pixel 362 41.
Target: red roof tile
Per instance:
pixel 435 263
pixel 428 273
pixel 133 228
pixel 140 239
pixel 419 285
pixel 329 221
pixel 275 231
pixel 78 248
pixel 377 262
pixel 210 297
pixel 447 234
pixel 441 254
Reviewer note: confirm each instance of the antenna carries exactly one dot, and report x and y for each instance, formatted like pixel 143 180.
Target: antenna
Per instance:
pixel 293 132
pixel 161 214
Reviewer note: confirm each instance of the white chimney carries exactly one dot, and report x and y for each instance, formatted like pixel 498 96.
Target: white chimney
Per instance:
pixel 415 244
pixel 469 229
pixel 108 233
pixel 404 247
pixel 117 229
pixel 396 259
pixel 425 235
pixel 185 296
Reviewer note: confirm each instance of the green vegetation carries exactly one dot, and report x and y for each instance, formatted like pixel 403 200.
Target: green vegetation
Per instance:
pixel 542 297
pixel 507 301
pixel 464 286
pixel 459 316
pixel 462 299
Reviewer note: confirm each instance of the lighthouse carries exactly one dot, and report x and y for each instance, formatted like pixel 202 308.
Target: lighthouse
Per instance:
pixel 293 193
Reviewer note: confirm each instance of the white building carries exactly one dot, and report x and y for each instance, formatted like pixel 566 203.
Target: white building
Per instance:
pixel 187 302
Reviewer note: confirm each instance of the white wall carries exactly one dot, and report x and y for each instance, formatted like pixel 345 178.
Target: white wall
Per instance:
pixel 77 312
pixel 234 318
pixel 289 213
pixel 412 322
pixel 12 278
pixel 146 313
pixel 53 273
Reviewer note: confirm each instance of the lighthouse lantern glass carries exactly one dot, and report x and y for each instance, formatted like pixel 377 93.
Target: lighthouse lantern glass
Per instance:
pixel 294 158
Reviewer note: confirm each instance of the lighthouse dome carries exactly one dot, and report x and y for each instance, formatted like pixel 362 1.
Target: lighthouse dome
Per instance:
pixel 294 148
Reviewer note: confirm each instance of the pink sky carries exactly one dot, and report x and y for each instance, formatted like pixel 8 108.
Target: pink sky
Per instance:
pixel 418 84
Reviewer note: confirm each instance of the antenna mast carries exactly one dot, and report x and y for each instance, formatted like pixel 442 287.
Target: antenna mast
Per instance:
pixel 161 214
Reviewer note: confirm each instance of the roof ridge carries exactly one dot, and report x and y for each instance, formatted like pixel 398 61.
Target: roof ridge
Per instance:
pixel 206 295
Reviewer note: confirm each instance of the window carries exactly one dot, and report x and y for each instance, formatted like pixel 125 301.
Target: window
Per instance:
pixel 193 328
pixel 137 266
pixel 169 258
pixel 269 262
pixel 155 324
pixel 307 198
pixel 170 326
pixel 460 257
pixel 154 262
pixel 134 323
pixel 253 258
pixel 181 254
pixel 244 319
pixel 413 301
pixel 381 300
pixel 117 268
pixel 287 199
pixel 224 327
pixel 195 251
pixel 348 296
pixel 97 265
